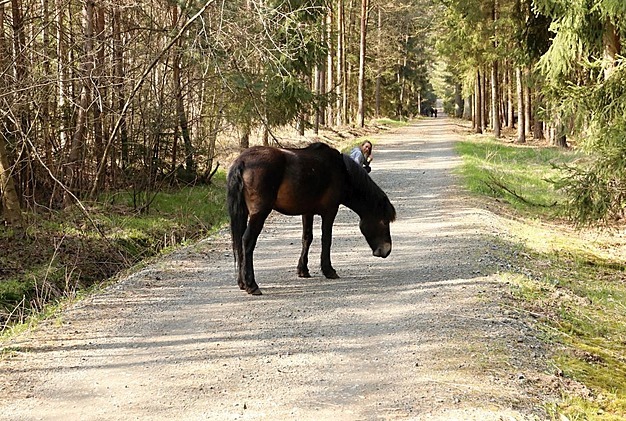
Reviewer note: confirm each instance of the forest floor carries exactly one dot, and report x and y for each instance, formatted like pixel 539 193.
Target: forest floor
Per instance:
pixel 428 333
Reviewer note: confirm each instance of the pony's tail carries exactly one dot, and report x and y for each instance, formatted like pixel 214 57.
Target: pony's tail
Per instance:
pixel 237 208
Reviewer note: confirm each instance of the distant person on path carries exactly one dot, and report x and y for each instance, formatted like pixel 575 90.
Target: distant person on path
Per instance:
pixel 363 155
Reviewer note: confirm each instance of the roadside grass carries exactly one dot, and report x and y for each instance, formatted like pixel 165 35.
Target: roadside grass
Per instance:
pixel 63 254
pixel 573 281
pixel 389 122
pixel 519 175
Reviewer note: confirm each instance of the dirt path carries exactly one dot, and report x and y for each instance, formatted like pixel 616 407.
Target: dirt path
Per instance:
pixel 419 335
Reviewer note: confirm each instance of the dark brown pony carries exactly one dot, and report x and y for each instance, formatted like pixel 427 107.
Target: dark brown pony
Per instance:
pixel 310 181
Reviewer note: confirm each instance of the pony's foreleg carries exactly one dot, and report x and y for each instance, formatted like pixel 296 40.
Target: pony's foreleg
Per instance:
pixel 307 238
pixel 327 239
pixel 250 236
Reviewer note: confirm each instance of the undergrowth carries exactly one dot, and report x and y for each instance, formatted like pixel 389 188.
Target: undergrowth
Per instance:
pixel 573 281
pixel 61 254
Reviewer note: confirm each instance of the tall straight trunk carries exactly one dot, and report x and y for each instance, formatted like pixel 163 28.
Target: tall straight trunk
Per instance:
pixel 317 88
pixel 180 99
pixel 510 102
pixel 10 200
pixel 47 106
pixel 8 194
pixel 495 100
pixel 504 101
pixel 528 115
pixel 538 133
pixel 19 40
pixel 329 65
pixel 612 47
pixel 118 85
pixel 402 76
pixel 468 112
pixel 362 45
pixel 63 72
pixel 379 31
pixel 557 132
pixel 100 89
pixel 244 140
pixel 21 113
pixel 215 113
pixel 477 104
pixel 349 28
pixel 458 100
pixel 495 88
pixel 73 176
pixel 340 81
pixel 484 102
pixel 521 123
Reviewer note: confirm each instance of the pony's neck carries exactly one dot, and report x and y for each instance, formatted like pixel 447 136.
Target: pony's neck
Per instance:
pixel 357 204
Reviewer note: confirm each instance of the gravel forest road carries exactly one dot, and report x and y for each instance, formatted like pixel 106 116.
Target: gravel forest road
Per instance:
pixel 420 335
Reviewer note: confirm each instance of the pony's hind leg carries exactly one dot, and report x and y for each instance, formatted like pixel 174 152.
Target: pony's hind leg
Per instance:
pixel 250 236
pixel 307 239
pixel 240 273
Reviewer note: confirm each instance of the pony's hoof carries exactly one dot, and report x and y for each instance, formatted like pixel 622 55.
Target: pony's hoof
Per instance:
pixel 331 275
pixel 256 291
pixel 302 274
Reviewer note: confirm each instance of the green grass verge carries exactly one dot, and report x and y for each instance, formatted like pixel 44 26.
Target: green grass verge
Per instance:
pixel 576 285
pixel 520 175
pixel 64 253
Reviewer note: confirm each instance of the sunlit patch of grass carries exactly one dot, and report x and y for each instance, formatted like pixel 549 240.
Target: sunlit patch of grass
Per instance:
pixel 573 282
pixel 389 122
pixel 519 175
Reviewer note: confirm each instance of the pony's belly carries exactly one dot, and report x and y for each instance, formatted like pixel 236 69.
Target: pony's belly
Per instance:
pixel 294 203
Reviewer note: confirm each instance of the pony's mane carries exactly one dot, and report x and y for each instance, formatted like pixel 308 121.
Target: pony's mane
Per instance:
pixel 363 185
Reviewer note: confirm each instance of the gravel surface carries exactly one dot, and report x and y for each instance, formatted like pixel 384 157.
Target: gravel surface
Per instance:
pixel 420 335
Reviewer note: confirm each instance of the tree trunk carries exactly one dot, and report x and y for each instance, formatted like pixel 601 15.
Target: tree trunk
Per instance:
pixel 521 125
pixel 467 108
pixel 402 77
pixel 538 133
pixel 495 100
pixel 495 97
pixel 458 101
pixel 611 41
pixel 484 102
pixel 317 82
pixel 244 140
pixel 180 100
pixel 510 102
pixel 362 45
pixel 557 133
pixel 379 31
pixel 477 105
pixel 10 201
pixel 118 85
pixel 11 211
pixel 99 92
pixel 73 166
pixel 527 104
pixel 329 65
pixel 340 63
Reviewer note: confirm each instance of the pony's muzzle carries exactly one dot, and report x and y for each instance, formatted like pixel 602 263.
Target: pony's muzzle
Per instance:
pixel 383 250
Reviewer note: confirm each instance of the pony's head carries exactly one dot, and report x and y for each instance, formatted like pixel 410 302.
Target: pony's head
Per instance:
pixel 374 208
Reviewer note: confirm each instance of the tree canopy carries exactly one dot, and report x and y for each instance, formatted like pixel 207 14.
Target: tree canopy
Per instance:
pixel 109 96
